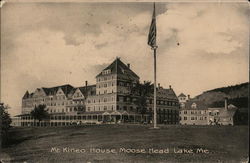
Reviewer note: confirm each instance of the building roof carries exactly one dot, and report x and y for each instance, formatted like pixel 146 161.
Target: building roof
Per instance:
pixel 26 95
pixel 200 105
pixel 118 67
pixel 91 90
pixel 182 95
pixel 52 91
pixel 223 112
pixel 166 93
pixel 227 112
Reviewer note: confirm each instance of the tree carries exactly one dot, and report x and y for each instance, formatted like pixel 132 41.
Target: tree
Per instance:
pixel 144 90
pixel 5 117
pixel 5 122
pixel 40 113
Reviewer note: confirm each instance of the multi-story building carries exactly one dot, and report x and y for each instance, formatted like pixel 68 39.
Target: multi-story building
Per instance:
pixel 197 113
pixel 113 98
pixel 194 113
pixel 113 86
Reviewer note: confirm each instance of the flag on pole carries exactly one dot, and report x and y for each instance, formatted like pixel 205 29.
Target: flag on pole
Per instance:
pixel 152 31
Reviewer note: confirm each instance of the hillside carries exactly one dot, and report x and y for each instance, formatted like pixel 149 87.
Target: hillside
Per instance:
pixel 237 95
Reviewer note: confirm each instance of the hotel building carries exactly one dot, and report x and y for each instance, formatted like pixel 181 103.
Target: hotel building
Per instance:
pixel 112 99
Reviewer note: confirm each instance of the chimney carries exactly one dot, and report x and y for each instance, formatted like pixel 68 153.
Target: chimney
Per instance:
pixel 159 85
pixel 144 81
pixel 128 65
pixel 170 87
pixel 188 97
pixel 226 103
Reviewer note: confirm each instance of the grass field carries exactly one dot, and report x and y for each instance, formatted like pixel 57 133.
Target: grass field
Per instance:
pixel 223 144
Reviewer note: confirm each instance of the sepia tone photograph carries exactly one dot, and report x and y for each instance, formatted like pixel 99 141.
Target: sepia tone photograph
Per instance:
pixel 124 81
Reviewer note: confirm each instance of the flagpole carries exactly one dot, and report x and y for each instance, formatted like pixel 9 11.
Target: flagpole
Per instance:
pixel 155 113
pixel 152 43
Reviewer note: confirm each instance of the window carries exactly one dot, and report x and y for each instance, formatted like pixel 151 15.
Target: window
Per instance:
pixel 120 99
pixel 124 107
pixel 194 106
pixel 120 83
pixel 185 118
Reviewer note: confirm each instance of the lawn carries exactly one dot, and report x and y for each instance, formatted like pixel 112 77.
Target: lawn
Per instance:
pixel 128 143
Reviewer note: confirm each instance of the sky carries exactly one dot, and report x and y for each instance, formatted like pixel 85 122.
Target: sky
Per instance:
pixel 202 46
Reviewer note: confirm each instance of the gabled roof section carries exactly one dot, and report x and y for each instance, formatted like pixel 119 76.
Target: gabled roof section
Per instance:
pixel 118 67
pixel 91 90
pixel 182 95
pixel 166 93
pixel 227 112
pixel 200 105
pixel 66 88
pixel 52 91
pixel 26 95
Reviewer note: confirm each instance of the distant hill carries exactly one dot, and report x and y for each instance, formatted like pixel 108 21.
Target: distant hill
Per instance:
pixel 237 95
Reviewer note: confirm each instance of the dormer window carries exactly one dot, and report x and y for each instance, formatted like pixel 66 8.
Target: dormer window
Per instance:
pixel 194 106
pixel 105 72
pixel 123 71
